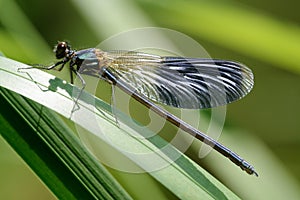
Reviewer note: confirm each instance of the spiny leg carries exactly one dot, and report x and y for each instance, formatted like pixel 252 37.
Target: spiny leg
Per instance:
pixel 62 63
pixel 113 104
pixel 37 66
pixel 81 89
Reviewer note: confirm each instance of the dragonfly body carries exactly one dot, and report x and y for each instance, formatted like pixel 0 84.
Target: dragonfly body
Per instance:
pixel 175 81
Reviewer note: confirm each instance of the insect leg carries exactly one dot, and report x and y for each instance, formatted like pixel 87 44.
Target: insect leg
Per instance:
pixel 62 63
pixel 114 105
pixel 82 88
pixel 71 74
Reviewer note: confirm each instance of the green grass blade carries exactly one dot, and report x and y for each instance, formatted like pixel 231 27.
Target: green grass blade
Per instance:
pixel 53 151
pixel 183 177
pixel 54 145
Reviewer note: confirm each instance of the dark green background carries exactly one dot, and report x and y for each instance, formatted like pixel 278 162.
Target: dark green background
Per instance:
pixel 270 113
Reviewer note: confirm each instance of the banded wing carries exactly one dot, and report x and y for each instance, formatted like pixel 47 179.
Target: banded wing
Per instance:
pixel 182 82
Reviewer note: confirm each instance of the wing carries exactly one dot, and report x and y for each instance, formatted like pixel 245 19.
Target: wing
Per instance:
pixel 182 82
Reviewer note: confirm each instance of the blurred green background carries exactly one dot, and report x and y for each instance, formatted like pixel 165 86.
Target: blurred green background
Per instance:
pixel 264 35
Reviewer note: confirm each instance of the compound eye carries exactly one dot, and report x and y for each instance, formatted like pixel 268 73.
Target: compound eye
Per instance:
pixel 61 50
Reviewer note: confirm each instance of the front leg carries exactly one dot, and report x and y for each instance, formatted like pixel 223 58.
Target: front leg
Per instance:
pixel 71 73
pixel 62 63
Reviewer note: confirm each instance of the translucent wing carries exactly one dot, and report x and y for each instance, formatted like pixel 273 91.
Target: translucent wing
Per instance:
pixel 182 82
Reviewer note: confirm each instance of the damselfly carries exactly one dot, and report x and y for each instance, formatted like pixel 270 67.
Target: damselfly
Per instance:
pixel 175 81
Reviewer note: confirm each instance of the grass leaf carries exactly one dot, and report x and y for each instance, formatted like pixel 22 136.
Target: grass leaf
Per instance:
pixel 52 150
pixel 165 163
